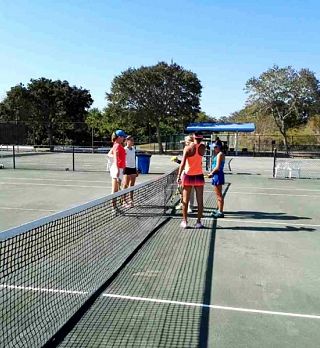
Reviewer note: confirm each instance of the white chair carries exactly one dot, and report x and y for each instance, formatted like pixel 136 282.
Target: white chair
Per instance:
pixel 294 167
pixel 281 168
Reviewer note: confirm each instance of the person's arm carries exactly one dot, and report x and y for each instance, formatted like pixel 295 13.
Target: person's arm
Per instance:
pixel 116 156
pixel 183 163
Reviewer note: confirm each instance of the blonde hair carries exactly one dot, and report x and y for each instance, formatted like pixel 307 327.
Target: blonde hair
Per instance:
pixel 188 139
pixel 114 137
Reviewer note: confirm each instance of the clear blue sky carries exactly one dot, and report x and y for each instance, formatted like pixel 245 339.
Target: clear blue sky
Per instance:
pixel 224 41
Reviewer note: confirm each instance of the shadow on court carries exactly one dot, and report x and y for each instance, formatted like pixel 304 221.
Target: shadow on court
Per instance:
pixel 261 215
pixel 268 229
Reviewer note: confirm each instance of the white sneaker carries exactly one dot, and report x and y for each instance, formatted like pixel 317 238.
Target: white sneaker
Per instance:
pixel 184 224
pixel 179 206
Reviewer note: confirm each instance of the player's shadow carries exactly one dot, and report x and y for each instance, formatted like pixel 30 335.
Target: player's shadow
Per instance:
pixel 261 215
pixel 268 229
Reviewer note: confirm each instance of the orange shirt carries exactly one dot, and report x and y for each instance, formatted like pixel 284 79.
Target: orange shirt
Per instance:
pixel 121 163
pixel 194 163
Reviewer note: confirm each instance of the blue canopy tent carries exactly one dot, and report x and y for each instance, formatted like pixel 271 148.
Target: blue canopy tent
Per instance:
pixel 211 128
pixel 221 127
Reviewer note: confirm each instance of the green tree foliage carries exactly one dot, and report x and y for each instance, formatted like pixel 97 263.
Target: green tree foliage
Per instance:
pixel 55 109
pixel 290 96
pixel 314 124
pixel 252 113
pixel 150 96
pixel 203 117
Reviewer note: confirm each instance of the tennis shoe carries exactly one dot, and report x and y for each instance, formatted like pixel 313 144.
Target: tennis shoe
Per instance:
pixel 184 224
pixel 190 210
pixel 198 225
pixel 218 214
pixel 179 206
pixel 214 212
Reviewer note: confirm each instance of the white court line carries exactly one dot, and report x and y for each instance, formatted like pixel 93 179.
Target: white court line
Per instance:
pixel 56 179
pixel 27 209
pixel 275 188
pixel 289 223
pixel 50 185
pixel 153 300
pixel 226 308
pixel 266 194
pixel 29 288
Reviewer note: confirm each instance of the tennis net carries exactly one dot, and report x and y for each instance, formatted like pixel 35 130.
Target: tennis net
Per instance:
pixel 51 267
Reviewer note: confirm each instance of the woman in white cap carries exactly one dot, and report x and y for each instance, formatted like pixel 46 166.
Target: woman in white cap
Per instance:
pixel 217 176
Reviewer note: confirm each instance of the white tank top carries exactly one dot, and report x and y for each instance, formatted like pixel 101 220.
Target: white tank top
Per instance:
pixel 131 157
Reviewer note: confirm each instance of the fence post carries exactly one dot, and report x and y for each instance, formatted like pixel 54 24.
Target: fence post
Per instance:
pixel 274 161
pixel 73 158
pixel 92 138
pixel 14 156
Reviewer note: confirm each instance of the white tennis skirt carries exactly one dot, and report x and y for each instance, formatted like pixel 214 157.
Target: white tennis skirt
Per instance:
pixel 114 171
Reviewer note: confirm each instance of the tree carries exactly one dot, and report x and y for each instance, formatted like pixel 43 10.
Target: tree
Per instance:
pixel 149 96
pixel 290 96
pixel 16 106
pixel 54 108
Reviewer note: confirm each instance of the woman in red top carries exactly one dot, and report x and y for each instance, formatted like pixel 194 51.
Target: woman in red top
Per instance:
pixel 119 159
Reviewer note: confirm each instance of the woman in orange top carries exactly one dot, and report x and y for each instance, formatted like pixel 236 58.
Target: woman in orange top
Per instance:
pixel 191 164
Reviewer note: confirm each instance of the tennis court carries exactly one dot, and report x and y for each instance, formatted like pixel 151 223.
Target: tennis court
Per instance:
pixel 250 279
pixel 27 195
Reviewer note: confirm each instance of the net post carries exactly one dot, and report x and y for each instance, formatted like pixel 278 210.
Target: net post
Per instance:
pixel 274 161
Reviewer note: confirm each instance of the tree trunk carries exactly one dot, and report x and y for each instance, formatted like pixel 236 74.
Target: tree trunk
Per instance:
pixel 285 138
pixel 159 139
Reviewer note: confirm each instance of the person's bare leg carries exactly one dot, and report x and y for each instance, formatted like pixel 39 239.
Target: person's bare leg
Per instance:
pixel 191 203
pixel 132 183
pixel 114 189
pixel 220 201
pixel 126 181
pixel 199 195
pixel 185 202
pixel 126 184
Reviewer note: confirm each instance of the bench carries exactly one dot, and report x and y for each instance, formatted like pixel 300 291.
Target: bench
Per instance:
pixel 287 168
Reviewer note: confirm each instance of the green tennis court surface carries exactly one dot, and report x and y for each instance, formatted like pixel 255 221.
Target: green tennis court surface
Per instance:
pixel 249 280
pixel 257 269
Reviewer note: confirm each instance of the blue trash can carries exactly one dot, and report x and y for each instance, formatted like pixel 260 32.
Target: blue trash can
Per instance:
pixel 143 162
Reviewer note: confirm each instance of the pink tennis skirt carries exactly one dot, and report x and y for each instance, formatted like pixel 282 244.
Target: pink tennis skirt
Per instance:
pixel 192 180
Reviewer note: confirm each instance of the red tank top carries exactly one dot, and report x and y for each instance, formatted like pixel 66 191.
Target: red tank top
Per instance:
pixel 121 163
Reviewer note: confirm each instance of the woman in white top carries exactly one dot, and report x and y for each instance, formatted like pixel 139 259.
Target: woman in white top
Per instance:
pixel 130 172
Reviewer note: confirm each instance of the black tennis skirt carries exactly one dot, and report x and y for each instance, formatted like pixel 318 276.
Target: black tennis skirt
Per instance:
pixel 129 171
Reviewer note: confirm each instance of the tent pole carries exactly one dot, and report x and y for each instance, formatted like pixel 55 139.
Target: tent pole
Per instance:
pixel 236 142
